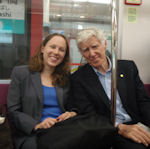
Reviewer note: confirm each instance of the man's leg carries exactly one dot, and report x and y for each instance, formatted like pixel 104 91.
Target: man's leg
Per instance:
pixel 123 143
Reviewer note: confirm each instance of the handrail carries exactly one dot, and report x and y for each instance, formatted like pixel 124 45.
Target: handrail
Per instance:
pixel 114 61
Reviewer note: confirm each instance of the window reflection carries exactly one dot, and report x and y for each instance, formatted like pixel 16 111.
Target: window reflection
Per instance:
pixel 14 45
pixel 69 16
pixel 61 16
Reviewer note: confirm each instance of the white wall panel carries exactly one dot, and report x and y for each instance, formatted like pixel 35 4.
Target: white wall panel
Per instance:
pixel 135 38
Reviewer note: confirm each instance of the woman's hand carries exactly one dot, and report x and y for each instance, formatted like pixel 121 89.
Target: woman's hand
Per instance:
pixel 47 123
pixel 135 133
pixel 65 116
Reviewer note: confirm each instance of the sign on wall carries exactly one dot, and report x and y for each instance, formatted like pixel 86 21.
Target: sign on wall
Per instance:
pixel 12 16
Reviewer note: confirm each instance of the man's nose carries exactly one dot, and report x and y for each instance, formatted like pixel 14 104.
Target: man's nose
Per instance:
pixel 91 53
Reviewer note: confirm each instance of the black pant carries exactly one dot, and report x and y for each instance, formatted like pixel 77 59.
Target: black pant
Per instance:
pixel 91 132
pixel 124 143
pixel 30 143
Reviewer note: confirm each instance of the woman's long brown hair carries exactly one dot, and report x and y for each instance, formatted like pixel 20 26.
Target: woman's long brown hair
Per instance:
pixel 61 71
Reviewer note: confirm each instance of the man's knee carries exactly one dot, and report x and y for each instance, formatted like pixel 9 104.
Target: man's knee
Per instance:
pixel 124 143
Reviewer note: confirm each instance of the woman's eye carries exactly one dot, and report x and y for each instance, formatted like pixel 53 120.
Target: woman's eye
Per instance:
pixel 62 50
pixel 53 47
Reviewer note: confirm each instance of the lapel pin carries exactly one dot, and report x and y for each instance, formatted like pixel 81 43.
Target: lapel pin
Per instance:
pixel 121 75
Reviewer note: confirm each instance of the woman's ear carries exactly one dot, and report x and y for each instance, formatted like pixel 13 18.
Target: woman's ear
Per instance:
pixel 42 49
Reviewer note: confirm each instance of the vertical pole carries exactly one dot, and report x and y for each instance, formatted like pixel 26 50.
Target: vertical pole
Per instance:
pixel 114 62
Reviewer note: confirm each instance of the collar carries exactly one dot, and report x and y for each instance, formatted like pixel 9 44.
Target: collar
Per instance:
pixel 109 68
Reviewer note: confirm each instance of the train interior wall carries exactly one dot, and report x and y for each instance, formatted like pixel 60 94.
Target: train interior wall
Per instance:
pixel 135 37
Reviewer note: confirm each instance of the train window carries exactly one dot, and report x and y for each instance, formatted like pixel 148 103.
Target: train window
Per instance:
pixel 70 16
pixel 14 31
pixel 24 23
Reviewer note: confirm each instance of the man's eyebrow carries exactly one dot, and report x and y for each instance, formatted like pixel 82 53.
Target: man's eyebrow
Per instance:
pixel 83 49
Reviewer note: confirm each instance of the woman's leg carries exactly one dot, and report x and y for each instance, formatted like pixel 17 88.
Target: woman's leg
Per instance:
pixel 30 143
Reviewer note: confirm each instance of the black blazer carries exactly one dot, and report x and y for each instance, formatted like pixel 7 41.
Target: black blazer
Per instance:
pixel 25 102
pixel 89 94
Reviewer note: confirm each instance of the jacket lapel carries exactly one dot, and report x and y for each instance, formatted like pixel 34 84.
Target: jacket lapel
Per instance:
pixel 96 85
pixel 59 93
pixel 121 86
pixel 98 88
pixel 36 79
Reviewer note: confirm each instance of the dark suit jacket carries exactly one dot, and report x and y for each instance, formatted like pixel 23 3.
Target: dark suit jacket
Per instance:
pixel 25 102
pixel 89 94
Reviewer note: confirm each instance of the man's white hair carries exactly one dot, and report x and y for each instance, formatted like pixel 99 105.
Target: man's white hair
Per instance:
pixel 85 34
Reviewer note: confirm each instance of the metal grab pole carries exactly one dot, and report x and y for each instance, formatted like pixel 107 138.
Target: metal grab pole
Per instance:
pixel 114 62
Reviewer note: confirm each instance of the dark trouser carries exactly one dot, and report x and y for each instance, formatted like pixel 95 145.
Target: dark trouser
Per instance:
pixel 123 143
pixel 30 143
pixel 89 132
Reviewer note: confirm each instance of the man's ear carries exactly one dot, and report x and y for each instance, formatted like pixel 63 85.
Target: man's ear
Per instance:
pixel 105 43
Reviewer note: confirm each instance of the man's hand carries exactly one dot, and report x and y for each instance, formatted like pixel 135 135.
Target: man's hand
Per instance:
pixel 65 116
pixel 135 133
pixel 47 123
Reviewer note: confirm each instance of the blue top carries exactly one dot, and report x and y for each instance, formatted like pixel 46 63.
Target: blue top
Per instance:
pixel 121 114
pixel 50 103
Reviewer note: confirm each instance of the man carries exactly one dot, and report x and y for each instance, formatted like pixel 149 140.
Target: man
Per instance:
pixel 91 87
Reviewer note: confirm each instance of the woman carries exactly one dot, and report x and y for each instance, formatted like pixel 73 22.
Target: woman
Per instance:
pixel 37 93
